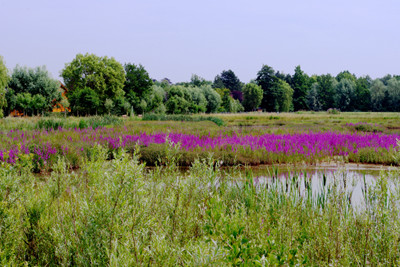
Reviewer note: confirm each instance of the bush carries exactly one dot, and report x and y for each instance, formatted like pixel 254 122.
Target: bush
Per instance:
pixel 49 124
pixel 163 117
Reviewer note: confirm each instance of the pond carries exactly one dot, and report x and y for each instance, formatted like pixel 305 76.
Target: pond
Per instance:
pixel 316 182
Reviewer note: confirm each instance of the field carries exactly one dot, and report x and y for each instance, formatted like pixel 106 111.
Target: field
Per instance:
pixel 78 191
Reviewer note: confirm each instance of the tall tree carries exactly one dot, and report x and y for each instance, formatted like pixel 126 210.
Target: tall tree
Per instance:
pixel 300 84
pixel 378 93
pixel 4 78
pixel 138 86
pixel 363 94
pixel 393 91
pixel 344 95
pixel 326 90
pixel 105 76
pixel 266 79
pixel 282 95
pixel 229 80
pixel 313 98
pixel 252 96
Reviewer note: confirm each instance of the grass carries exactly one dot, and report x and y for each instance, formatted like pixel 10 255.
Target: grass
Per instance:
pixel 118 213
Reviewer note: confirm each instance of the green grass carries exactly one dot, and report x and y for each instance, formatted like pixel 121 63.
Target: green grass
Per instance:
pixel 118 213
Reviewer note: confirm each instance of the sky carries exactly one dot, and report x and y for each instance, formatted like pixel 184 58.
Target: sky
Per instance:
pixel 178 38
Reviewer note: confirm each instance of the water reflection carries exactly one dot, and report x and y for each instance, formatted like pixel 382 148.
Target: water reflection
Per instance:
pixel 351 182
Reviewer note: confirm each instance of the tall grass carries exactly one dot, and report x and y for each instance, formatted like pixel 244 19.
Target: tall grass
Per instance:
pixel 115 212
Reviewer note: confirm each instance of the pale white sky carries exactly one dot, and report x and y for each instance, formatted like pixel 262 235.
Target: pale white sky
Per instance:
pixel 179 37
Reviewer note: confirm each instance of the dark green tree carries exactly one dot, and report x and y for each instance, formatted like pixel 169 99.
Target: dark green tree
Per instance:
pixel 138 86
pixel 266 79
pixel 229 80
pixel 84 101
pixel 252 96
pixel 301 84
pixel 363 94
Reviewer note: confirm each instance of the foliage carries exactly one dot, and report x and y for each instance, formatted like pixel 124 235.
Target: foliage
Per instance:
pixel 229 80
pixel 378 93
pixel 138 86
pixel 300 84
pixel 37 85
pixel 363 94
pixel 282 95
pixel 345 95
pixel 84 101
pixel 326 91
pixel 162 117
pixel 266 79
pixel 253 95
pixel 313 98
pixel 104 76
pixel 213 99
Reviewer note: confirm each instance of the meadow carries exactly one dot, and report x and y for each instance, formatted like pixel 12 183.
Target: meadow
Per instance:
pixel 78 191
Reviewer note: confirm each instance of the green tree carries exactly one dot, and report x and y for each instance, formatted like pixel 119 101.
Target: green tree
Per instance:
pixel 36 81
pixel 265 79
pixel 346 75
pixel 393 92
pixel 229 80
pixel 300 84
pixel 213 99
pixel 24 103
pixel 378 92
pixel 344 95
pixel 84 101
pixel 39 104
pixel 282 96
pixel 104 76
pixel 252 96
pixel 179 100
pixel 363 94
pixel 4 78
pixel 326 90
pixel 198 81
pixel 199 101
pixel 138 86
pixel 313 100
pixel 156 99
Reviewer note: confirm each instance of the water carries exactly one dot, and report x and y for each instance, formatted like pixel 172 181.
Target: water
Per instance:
pixel 351 180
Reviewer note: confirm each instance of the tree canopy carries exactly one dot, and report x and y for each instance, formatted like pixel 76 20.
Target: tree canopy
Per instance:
pixel 252 96
pixel 105 76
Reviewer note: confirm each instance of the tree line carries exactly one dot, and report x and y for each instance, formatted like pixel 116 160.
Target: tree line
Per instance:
pixel 102 85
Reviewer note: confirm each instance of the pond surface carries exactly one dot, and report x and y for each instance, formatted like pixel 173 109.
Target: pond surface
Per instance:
pixel 352 180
